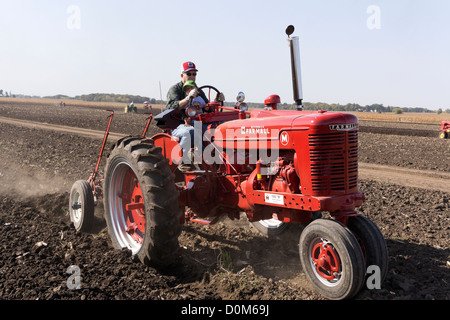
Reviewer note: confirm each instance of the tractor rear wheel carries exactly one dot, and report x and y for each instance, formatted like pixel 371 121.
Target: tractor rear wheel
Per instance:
pixel 332 259
pixel 81 206
pixel 141 202
pixel 443 135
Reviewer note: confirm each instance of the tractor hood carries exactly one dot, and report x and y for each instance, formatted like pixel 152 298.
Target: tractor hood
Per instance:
pixel 265 125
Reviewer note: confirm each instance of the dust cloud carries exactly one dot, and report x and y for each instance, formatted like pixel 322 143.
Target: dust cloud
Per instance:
pixel 16 181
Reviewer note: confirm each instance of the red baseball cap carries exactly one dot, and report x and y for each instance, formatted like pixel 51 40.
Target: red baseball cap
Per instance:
pixel 188 66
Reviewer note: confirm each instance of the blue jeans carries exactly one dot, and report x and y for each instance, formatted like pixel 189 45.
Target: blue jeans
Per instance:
pixel 186 135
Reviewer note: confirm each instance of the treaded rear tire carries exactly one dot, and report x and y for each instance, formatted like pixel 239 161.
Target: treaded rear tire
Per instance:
pixel 159 242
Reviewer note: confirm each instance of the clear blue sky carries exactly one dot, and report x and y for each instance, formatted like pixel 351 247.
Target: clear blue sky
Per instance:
pixel 347 55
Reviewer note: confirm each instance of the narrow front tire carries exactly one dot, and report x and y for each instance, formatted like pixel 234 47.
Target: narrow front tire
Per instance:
pixel 81 206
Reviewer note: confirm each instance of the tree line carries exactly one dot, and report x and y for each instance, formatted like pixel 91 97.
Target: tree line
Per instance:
pixel 6 94
pixel 127 98
pixel 379 108
pixel 104 97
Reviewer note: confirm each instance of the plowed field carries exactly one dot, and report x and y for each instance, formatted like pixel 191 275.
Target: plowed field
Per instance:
pixel 404 173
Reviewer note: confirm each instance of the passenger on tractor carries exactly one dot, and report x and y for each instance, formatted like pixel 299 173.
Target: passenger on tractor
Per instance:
pixel 178 98
pixel 185 131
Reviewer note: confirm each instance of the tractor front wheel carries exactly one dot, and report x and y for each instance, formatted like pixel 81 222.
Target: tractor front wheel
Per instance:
pixel 372 243
pixel 443 135
pixel 332 259
pixel 141 202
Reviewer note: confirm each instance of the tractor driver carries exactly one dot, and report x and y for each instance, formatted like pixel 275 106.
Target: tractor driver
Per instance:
pixel 186 131
pixel 177 98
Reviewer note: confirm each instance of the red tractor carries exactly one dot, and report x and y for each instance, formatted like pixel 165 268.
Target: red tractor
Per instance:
pixel 279 167
pixel 445 130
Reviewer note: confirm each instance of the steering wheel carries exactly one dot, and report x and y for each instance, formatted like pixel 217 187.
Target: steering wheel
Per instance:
pixel 211 88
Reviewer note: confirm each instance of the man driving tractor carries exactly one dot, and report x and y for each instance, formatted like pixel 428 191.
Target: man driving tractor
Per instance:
pixel 178 97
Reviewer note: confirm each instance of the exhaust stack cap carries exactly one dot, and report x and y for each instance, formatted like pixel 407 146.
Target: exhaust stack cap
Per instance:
pixel 295 66
pixel 290 30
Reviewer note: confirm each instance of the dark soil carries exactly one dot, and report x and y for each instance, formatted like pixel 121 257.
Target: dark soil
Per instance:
pixel 226 261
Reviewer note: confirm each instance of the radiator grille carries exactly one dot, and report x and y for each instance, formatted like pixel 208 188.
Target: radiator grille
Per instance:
pixel 334 162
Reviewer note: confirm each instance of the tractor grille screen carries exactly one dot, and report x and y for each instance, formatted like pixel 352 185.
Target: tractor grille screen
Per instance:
pixel 334 162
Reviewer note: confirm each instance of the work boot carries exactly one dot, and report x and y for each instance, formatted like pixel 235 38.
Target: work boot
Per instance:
pixel 183 167
pixel 186 163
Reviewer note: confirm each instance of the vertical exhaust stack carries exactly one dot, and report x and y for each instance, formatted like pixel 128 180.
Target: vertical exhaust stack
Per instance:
pixel 295 67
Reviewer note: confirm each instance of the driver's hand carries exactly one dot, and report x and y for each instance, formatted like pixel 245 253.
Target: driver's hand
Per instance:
pixel 193 93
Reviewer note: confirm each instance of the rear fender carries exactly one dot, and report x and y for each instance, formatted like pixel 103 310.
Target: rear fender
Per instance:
pixel 171 150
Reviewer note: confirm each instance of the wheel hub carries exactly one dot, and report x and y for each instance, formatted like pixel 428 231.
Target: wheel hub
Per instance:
pixel 76 207
pixel 326 261
pixel 133 206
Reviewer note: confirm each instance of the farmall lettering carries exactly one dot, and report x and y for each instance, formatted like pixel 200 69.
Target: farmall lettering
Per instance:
pixel 255 130
pixel 343 127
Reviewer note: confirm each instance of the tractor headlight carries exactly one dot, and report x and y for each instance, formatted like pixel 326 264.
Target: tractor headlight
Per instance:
pixel 243 106
pixel 191 111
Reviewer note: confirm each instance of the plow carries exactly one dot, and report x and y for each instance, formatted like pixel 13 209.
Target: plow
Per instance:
pixel 276 167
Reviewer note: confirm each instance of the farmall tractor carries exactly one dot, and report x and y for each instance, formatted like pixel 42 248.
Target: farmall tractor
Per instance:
pixel 445 130
pixel 278 167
